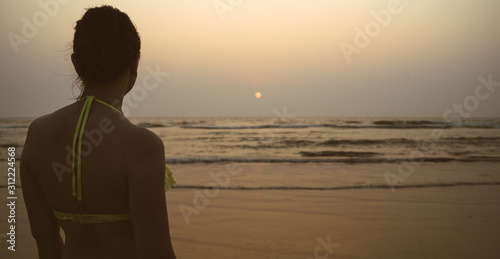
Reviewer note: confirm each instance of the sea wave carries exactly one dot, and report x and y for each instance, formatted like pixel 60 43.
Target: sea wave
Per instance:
pixel 368 142
pixel 474 139
pixel 350 160
pixel 151 125
pixel 349 187
pixel 23 126
pixel 339 158
pixel 407 142
pixel 381 124
pixel 7 145
pixel 287 143
pixel 265 126
pixel 337 153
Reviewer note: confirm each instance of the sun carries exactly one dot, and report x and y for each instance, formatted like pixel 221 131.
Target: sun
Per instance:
pixel 258 95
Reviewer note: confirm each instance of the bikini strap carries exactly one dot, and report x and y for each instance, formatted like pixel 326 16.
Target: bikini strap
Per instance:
pixel 107 104
pixel 77 150
pixel 76 167
pixel 102 102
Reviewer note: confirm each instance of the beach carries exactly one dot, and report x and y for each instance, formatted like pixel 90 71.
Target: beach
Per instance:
pixel 293 129
pixel 454 222
pixel 423 222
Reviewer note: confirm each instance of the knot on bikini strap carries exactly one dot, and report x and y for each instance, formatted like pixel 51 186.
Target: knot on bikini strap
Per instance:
pixel 81 218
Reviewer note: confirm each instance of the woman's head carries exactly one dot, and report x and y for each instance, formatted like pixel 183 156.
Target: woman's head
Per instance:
pixel 105 46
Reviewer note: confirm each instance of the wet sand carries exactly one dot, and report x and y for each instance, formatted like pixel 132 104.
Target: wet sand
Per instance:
pixel 433 222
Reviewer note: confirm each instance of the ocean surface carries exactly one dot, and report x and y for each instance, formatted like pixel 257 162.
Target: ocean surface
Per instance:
pixel 335 147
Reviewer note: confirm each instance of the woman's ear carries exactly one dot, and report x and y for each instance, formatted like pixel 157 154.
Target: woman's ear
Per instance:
pixel 132 75
pixel 134 67
pixel 74 63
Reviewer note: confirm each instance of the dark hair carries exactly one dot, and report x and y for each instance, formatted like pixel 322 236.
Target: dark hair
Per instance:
pixel 105 44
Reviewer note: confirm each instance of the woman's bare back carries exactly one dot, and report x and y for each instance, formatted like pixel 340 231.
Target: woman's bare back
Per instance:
pixel 110 147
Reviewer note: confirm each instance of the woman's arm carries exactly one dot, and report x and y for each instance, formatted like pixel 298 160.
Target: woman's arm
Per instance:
pixel 44 226
pixel 147 203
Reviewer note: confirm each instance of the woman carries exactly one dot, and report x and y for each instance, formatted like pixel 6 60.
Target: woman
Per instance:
pixel 103 183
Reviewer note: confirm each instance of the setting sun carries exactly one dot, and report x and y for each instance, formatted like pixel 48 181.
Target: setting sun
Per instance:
pixel 258 95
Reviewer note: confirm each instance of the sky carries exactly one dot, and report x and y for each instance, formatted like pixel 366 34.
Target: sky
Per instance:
pixel 324 58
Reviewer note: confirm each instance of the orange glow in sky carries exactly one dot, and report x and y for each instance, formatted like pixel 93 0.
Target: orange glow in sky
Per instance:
pixel 327 58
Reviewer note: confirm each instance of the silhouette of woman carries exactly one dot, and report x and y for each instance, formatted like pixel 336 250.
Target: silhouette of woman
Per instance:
pixel 104 183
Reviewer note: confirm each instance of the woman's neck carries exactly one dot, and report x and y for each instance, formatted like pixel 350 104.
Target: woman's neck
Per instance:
pixel 113 100
pixel 111 93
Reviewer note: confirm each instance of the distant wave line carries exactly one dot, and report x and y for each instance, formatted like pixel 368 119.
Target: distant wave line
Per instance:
pixel 14 126
pixel 211 160
pixel 402 125
pixel 380 124
pixel 351 187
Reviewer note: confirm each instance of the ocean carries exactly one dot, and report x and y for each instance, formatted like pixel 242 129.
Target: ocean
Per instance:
pixel 317 153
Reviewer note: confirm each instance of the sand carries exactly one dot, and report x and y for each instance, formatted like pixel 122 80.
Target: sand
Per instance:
pixel 435 222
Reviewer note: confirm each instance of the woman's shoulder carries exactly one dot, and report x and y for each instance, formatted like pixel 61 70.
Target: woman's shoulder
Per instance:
pixel 144 138
pixel 39 132
pixel 142 146
pixel 54 123
pixel 41 124
pixel 53 117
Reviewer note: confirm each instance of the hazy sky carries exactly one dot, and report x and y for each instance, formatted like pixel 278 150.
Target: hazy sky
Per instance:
pixel 420 61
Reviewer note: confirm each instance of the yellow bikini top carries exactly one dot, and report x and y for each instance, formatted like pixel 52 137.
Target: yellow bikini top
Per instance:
pixel 76 179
